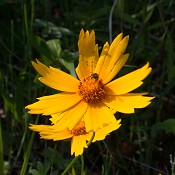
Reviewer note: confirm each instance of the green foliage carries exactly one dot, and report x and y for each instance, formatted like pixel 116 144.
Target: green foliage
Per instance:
pixel 41 46
pixel 55 47
pixel 1 153
pixel 48 31
pixel 168 126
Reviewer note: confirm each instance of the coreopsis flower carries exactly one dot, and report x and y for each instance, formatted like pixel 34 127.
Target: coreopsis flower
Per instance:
pixel 94 97
pixel 78 135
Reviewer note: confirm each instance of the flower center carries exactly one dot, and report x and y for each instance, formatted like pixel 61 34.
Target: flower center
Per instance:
pixel 79 129
pixel 91 89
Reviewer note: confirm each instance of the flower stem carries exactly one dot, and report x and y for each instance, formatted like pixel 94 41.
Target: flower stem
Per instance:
pixel 70 165
pixel 82 164
pixel 90 141
pixel 73 161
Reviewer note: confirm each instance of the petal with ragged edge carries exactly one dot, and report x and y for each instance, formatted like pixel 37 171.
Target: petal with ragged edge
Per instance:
pixel 61 135
pixel 128 82
pixel 97 116
pixel 136 100
pixel 48 105
pixel 102 60
pixel 78 144
pixel 72 117
pixel 56 78
pixel 88 54
pixel 55 136
pixel 105 57
pixel 47 132
pixel 57 117
pixel 114 54
pixel 101 133
pixel 117 67
pixel 127 103
pixel 40 128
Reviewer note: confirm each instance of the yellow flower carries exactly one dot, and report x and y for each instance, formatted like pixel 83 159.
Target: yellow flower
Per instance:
pixel 92 97
pixel 79 136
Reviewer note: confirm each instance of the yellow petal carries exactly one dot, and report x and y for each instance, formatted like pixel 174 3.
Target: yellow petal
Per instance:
pixel 56 78
pixel 47 132
pixel 72 117
pixel 88 54
pixel 128 82
pixel 102 60
pixel 61 135
pixel 87 118
pixel 40 128
pixel 52 104
pixel 101 133
pixel 116 105
pixel 116 42
pixel 105 57
pixel 97 117
pixel 135 100
pixel 114 54
pixel 127 103
pixel 78 144
pixel 117 67
pixel 57 117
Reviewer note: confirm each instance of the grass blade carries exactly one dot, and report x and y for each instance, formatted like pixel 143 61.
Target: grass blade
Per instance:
pixel 27 153
pixel 1 153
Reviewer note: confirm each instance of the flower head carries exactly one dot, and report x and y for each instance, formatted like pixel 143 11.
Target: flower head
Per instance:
pixel 78 135
pixel 93 97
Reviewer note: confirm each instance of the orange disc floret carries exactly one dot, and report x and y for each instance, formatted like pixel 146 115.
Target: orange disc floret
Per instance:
pixel 79 129
pixel 91 89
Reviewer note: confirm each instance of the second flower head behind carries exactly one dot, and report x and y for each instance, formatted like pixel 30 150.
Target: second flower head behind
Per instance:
pixel 78 135
pixel 94 97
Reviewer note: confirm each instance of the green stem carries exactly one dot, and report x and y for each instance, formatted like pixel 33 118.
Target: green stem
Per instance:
pixel 82 164
pixel 70 165
pixel 73 161
pixel 90 141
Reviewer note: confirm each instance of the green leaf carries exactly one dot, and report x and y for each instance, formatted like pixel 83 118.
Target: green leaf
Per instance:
pixel 41 46
pixel 55 47
pixel 34 172
pixel 69 66
pixel 168 126
pixel 160 24
pixel 49 28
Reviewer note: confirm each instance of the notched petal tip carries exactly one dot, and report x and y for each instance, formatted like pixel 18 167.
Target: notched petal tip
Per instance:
pixel 127 37
pixel 92 33
pixel 87 32
pixel 36 62
pixel 55 78
pixel 130 81
pixel 82 31
pixel 120 35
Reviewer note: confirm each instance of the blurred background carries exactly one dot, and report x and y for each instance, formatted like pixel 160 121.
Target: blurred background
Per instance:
pixel 48 30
